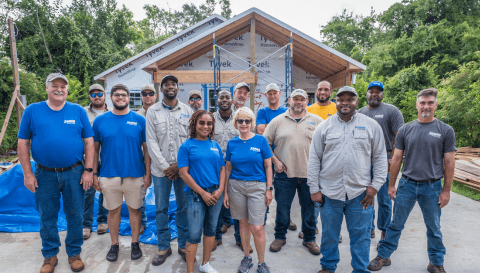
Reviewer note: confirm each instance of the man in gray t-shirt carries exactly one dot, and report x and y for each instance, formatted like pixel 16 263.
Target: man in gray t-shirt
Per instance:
pixel 390 119
pixel 428 145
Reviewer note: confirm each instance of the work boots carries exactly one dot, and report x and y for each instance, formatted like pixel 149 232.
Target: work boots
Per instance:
pixel 49 264
pixel 379 262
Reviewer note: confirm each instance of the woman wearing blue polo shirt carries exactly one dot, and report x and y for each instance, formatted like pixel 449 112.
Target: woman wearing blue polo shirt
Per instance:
pixel 249 179
pixel 201 164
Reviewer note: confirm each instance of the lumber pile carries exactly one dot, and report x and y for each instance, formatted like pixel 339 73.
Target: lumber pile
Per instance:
pixel 467 167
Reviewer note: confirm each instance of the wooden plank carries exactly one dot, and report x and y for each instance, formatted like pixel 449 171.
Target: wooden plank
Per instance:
pixel 9 112
pixel 468 150
pixel 467 167
pixel 14 60
pixel 203 76
pixel 476 162
pixel 252 62
pixel 467 176
pixel 467 183
pixel 19 103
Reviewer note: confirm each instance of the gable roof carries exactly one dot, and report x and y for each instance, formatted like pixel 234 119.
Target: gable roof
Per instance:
pixel 308 54
pixel 101 76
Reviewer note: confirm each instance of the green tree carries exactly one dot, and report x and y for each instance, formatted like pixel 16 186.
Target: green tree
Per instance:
pixel 459 103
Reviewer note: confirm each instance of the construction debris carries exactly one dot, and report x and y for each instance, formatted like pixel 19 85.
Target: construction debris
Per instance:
pixel 467 167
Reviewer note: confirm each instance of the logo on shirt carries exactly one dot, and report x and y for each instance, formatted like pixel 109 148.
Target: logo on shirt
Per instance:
pixel 184 115
pixel 69 121
pixel 329 115
pixel 214 149
pixel 360 127
pixel 434 134
pixel 311 122
pixel 254 149
pixel 131 123
pixel 378 116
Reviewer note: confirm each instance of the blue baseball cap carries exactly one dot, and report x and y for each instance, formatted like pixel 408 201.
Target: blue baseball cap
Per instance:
pixel 375 83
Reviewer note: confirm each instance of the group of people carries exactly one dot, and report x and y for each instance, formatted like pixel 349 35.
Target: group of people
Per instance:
pixel 229 164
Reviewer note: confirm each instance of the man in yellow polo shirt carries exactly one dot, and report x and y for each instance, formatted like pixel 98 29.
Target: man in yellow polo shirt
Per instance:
pixel 324 107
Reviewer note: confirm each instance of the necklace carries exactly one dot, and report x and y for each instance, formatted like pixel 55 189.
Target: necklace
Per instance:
pixel 244 140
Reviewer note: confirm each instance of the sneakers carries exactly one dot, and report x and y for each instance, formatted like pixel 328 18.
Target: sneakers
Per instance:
pixel 112 254
pixel 245 264
pixel 207 268
pixel 313 248
pixel 161 256
pixel 276 245
pixel 379 262
pixel 49 265
pixel 372 234
pixel 76 263
pixel 435 269
pixel 142 229
pixel 86 233
pixel 136 251
pixel 292 226
pixel 102 228
pixel 250 250
pixel 263 268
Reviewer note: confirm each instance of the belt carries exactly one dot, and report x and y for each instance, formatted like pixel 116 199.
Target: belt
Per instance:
pixel 59 170
pixel 420 181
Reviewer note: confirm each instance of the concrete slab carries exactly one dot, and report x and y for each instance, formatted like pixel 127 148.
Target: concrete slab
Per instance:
pixel 20 252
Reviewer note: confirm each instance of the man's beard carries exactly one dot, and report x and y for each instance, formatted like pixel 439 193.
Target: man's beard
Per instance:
pixel 372 102
pixel 323 101
pixel 426 115
pixel 58 93
pixel 195 108
pixel 120 107
pixel 170 97
pixel 297 108
pixel 98 104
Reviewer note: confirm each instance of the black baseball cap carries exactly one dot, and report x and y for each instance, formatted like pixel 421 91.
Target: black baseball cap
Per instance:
pixel 168 77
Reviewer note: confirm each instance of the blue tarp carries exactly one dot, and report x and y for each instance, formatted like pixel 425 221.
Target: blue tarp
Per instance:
pixel 18 212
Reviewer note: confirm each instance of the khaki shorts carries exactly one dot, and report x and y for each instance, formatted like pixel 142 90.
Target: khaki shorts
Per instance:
pixel 115 188
pixel 247 200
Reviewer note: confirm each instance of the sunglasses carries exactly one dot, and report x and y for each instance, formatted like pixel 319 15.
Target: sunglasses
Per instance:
pixel 194 99
pixel 123 95
pixel 247 121
pixel 94 95
pixel 151 94
pixel 202 123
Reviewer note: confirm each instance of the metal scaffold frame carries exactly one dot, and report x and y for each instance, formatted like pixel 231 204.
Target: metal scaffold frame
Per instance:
pixel 217 68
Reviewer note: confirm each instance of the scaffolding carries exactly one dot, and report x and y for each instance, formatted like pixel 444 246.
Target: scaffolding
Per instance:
pixel 217 85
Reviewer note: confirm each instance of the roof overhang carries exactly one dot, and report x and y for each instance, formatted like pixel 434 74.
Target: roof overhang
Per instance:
pixel 101 76
pixel 309 54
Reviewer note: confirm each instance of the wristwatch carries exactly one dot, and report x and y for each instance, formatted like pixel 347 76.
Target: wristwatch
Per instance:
pixel 90 170
pixel 270 188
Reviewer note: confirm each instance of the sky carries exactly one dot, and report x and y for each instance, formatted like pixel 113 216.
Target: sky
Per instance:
pixel 305 15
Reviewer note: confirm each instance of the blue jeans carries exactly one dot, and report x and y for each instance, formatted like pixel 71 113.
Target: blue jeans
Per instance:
pixel 384 208
pixel 285 189
pixel 89 206
pixel 224 218
pixel 51 186
pixel 202 217
pixel 408 193
pixel 162 187
pixel 358 226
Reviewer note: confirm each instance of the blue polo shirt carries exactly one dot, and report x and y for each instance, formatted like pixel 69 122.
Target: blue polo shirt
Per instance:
pixel 56 136
pixel 204 159
pixel 265 114
pixel 247 158
pixel 121 138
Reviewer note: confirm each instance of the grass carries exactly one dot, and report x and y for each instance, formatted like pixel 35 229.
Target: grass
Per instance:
pixel 462 189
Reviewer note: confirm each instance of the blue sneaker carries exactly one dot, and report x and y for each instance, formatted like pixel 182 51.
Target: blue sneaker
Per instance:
pixel 245 265
pixel 263 268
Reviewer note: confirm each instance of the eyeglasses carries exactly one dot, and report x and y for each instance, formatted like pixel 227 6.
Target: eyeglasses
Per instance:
pixel 151 94
pixel 202 123
pixel 94 95
pixel 123 95
pixel 194 99
pixel 247 121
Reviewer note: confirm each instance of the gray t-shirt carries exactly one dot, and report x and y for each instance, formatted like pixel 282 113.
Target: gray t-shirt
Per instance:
pixel 425 145
pixel 389 118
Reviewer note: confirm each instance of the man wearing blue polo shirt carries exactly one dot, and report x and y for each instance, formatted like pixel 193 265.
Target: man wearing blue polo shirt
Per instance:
pixel 59 133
